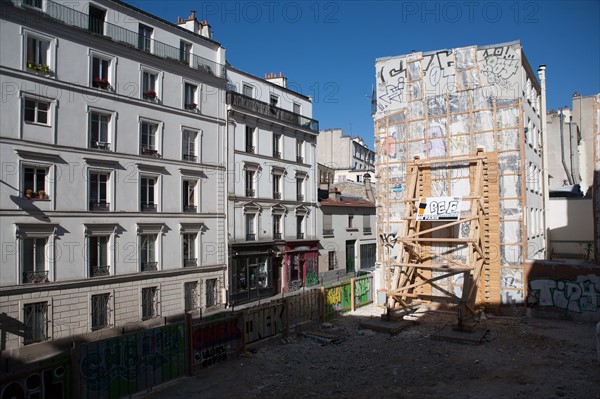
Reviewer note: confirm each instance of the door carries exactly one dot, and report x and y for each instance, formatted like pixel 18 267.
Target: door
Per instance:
pixel 350 256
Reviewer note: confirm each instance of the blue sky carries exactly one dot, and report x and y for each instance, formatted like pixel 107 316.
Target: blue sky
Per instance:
pixel 327 49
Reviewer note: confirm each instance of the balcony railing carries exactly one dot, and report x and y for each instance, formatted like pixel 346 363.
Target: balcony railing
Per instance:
pixel 149 266
pixel 250 193
pixel 265 109
pixel 300 197
pixel 101 145
pixel 190 157
pixel 191 262
pixel 250 149
pixel 148 207
pixel 99 206
pixel 97 271
pixel 35 277
pixel 327 232
pixel 250 237
pixel 118 34
pixel 190 208
pixel 276 195
pixel 277 154
pixel 300 236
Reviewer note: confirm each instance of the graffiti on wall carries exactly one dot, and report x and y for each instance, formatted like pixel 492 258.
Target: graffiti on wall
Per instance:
pixel 362 289
pixel 117 364
pixel 213 340
pixel 498 64
pixel 264 323
pixel 47 382
pixel 572 296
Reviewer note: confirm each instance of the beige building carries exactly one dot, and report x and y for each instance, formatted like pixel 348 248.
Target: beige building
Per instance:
pixel 348 156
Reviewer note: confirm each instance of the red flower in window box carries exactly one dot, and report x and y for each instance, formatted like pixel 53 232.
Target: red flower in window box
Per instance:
pixel 150 94
pixel 101 83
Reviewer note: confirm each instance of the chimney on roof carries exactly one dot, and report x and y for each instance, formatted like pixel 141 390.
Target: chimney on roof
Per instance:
pixel 278 80
pixel 201 28
pixel 334 194
pixel 368 187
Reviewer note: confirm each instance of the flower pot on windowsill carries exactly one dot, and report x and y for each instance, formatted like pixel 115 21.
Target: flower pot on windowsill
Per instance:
pixel 38 68
pixel 150 95
pixel 101 83
pixel 191 106
pixel 41 194
pixel 28 194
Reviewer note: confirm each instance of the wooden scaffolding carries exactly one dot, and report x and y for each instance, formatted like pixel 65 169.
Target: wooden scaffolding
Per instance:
pixel 423 272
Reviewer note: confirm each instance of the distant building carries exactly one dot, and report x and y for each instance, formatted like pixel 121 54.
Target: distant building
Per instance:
pixel 348 156
pixel 347 230
pixel 583 114
pixel 563 150
pixel 272 188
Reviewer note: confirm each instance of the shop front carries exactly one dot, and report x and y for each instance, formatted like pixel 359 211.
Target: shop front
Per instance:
pixel 252 274
pixel 301 265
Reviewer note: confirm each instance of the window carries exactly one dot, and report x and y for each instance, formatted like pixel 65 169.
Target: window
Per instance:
pixel 368 253
pixel 144 38
pixel 100 72
pixel 96 20
pixel 148 139
pixel 38 51
pixel 34 182
pixel 299 151
pixel 299 189
pixel 277 227
pixel 150 303
pixel 36 111
pixel 189 250
pixel 98 255
pixel 34 260
pixel 185 50
pixel 276 145
pixel 99 130
pixel 297 108
pixel 98 187
pixel 189 195
pixel 273 100
pixel 250 139
pixel 276 186
pixel 327 224
pixel 34 3
pixel 149 91
pixel 248 90
pixel 190 98
pixel 148 252
pixel 250 192
pixel 189 145
pixel 300 227
pixel 35 321
pixel 212 294
pixel 250 227
pixel 350 221
pixel 147 194
pixel 367 224
pixel 101 311
pixel 190 294
pixel 332 258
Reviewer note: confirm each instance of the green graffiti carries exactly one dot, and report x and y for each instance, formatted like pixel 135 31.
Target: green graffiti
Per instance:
pixel 361 290
pixel 346 296
pixel 311 279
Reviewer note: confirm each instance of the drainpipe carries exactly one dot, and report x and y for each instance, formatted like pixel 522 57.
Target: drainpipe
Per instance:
pixel 572 158
pixel 562 148
pixel 546 199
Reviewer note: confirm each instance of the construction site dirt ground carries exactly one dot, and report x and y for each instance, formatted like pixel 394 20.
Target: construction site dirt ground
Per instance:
pixel 519 357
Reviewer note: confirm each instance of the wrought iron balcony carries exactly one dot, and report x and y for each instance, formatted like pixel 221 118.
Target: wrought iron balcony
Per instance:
pixel 35 277
pixel 118 34
pixel 191 262
pixel 101 145
pixel 250 193
pixel 276 195
pixel 190 157
pixel 277 154
pixel 300 159
pixel 300 197
pixel 327 232
pixel 190 208
pixel 250 237
pixel 102 206
pixel 97 271
pixel 149 207
pixel 261 108
pixel 149 266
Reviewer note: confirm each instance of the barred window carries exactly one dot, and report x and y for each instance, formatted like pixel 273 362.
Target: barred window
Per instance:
pixel 191 296
pixel 150 303
pixel 101 311
pixel 212 296
pixel 35 320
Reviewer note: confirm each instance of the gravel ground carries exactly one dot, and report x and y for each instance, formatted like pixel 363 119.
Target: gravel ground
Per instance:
pixel 518 358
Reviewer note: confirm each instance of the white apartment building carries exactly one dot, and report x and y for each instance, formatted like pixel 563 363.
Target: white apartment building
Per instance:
pixel 348 156
pixel 112 140
pixel 272 189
